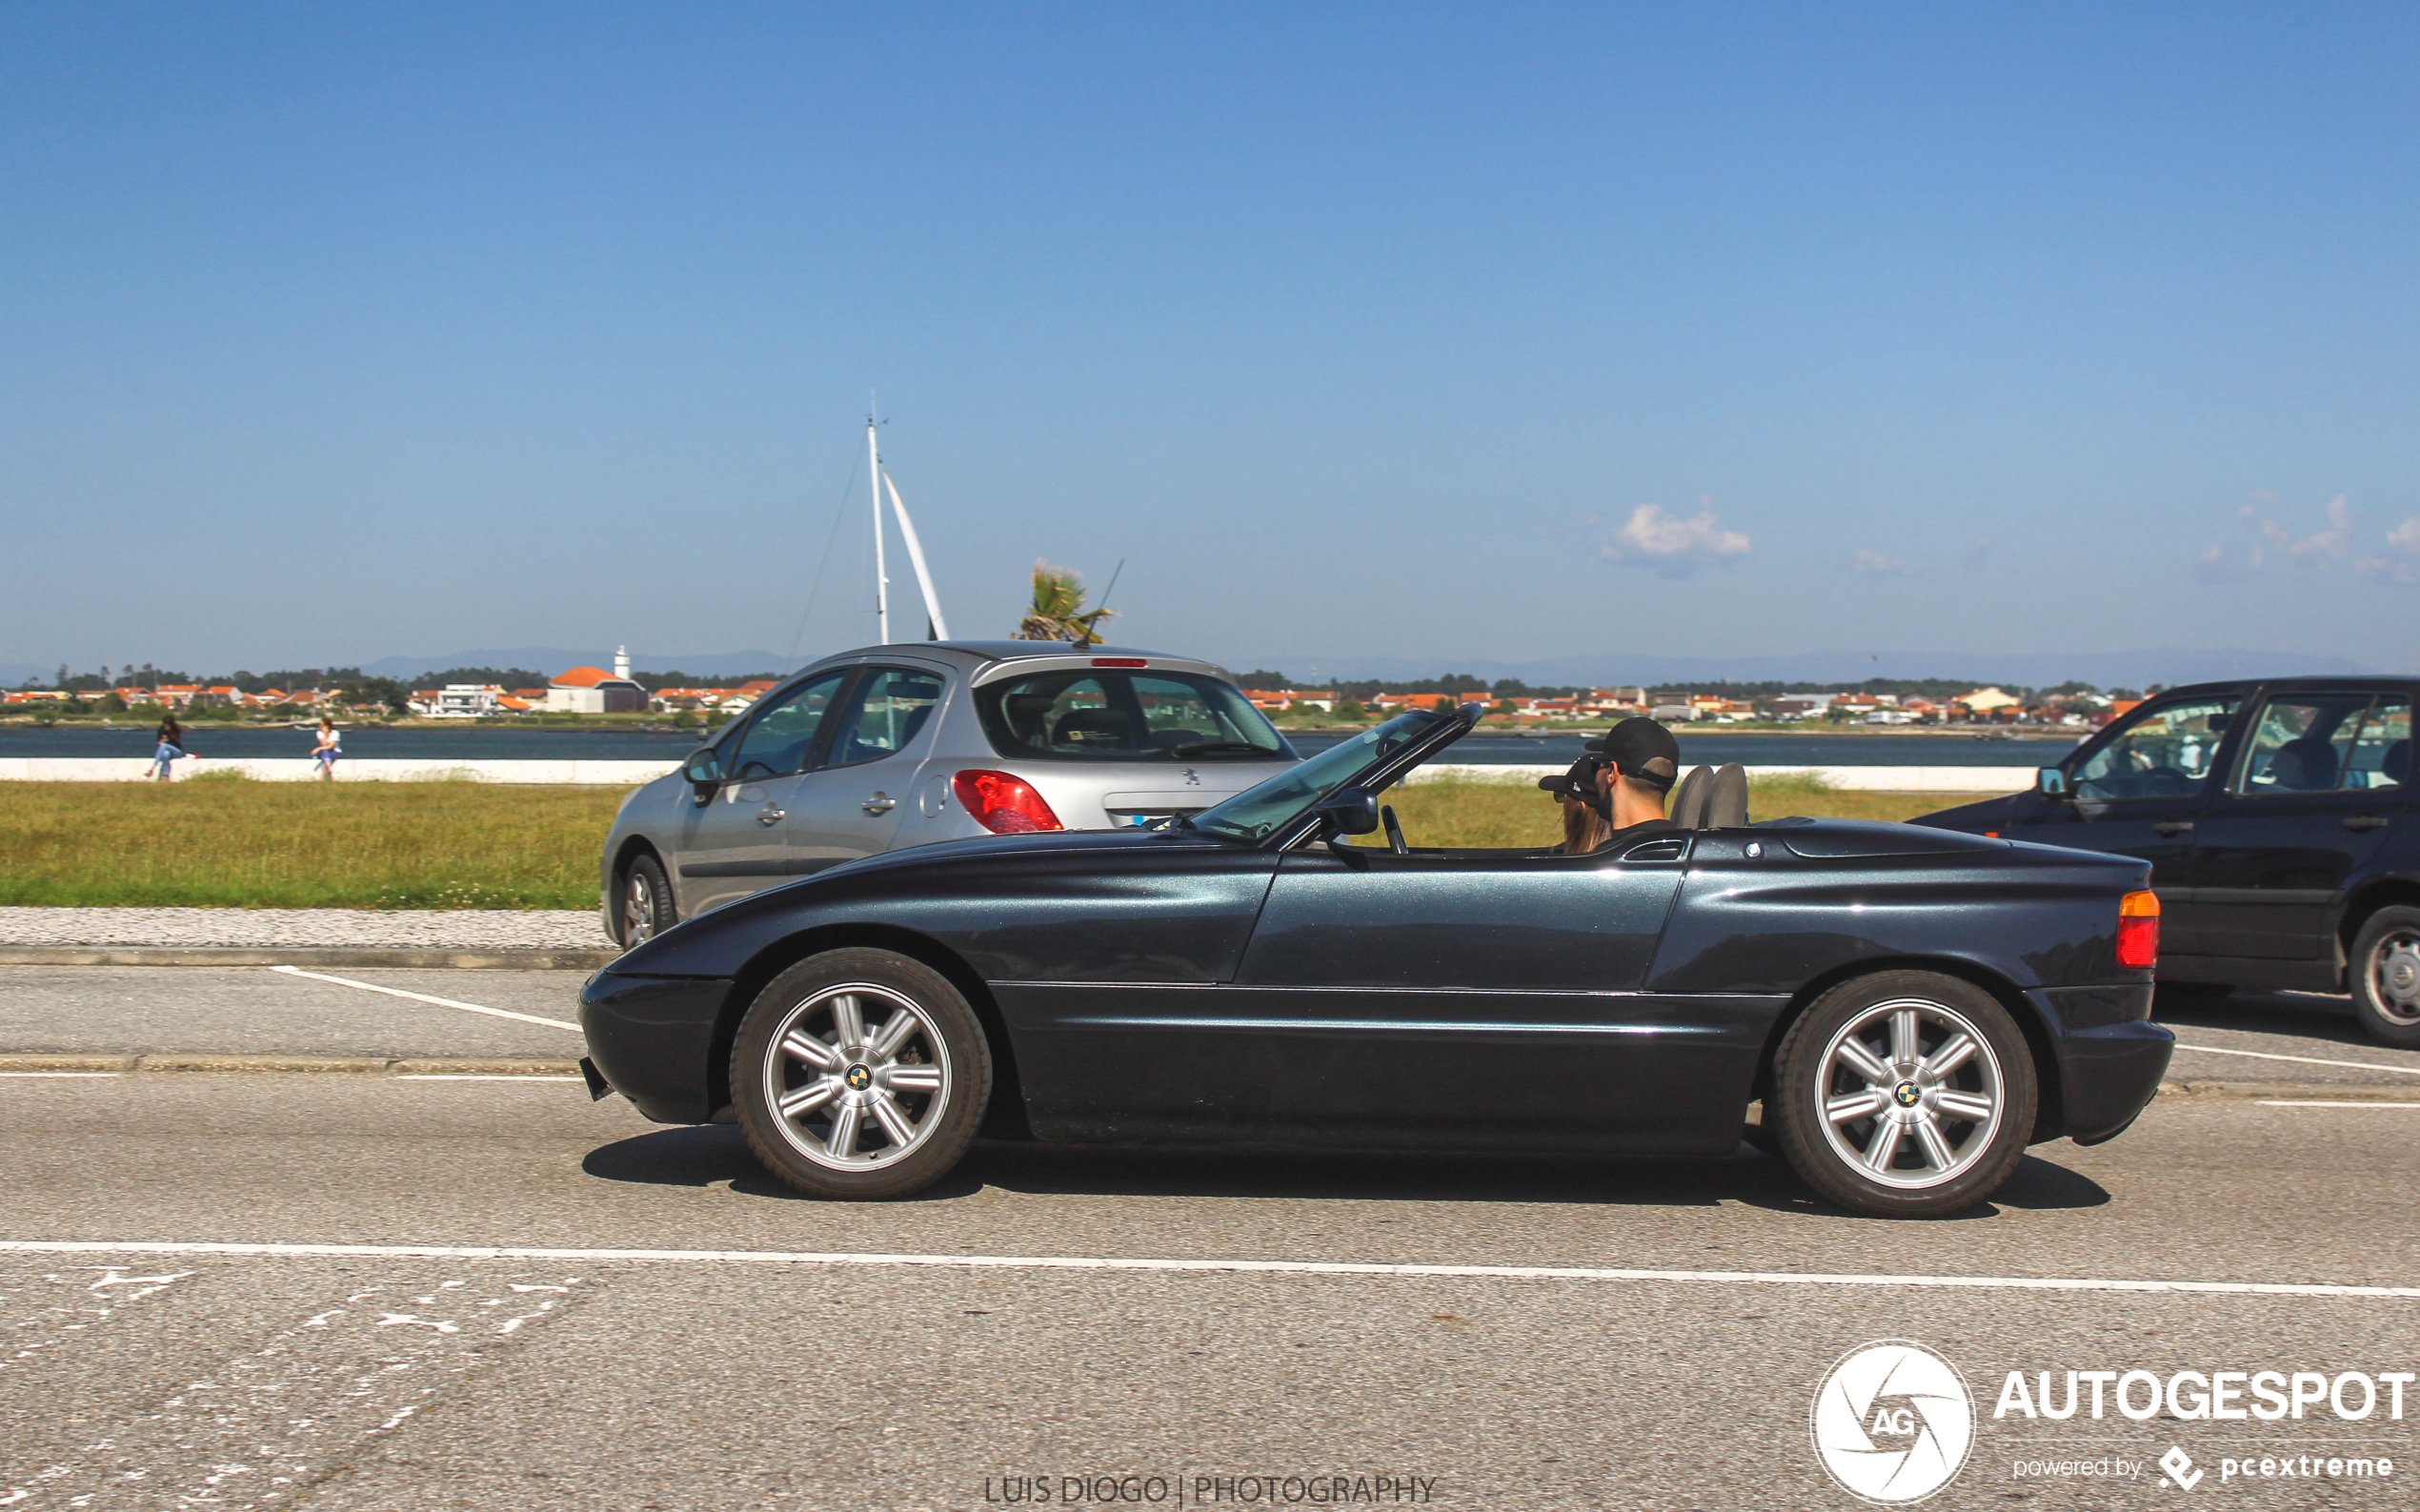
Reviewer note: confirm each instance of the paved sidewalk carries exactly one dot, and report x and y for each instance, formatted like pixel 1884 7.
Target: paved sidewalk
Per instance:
pixel 323 928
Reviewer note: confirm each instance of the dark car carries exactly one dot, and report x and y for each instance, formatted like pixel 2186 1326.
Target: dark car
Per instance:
pixel 1913 1007
pixel 2278 819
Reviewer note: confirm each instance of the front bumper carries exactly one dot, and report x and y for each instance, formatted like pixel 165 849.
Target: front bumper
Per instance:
pixel 652 1037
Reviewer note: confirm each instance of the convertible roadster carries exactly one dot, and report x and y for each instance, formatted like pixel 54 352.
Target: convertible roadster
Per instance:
pixel 1902 1009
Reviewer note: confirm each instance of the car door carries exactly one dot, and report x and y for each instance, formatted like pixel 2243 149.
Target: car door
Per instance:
pixel 855 802
pixel 2140 791
pixel 2309 803
pixel 1475 998
pixel 738 840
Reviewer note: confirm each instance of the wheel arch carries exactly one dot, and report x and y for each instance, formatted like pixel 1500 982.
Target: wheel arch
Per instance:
pixel 1004 1118
pixel 2379 892
pixel 2050 1113
pixel 634 846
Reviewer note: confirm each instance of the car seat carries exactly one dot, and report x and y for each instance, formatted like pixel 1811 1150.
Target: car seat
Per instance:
pixel 1726 798
pixel 1688 800
pixel 2303 765
pixel 2395 766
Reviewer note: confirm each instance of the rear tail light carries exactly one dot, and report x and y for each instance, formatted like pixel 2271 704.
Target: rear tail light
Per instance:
pixel 2138 941
pixel 1119 662
pixel 1004 804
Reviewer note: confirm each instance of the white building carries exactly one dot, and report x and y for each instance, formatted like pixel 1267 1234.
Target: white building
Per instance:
pixel 468 701
pixel 593 690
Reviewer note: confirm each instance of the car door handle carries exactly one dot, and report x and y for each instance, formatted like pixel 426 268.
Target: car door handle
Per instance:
pixel 2172 827
pixel 768 816
pixel 2366 821
pixel 880 804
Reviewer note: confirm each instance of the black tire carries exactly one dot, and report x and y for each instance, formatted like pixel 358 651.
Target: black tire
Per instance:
pixel 935 1076
pixel 644 910
pixel 1996 1080
pixel 2384 976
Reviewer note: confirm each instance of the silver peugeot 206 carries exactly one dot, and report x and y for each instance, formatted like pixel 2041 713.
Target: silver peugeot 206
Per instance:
pixel 885 747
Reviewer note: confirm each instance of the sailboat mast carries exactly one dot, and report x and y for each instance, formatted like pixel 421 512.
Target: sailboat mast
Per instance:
pixel 881 579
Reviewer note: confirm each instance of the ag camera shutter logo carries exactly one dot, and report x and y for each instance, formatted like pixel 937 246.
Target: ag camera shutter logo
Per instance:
pixel 1893 1421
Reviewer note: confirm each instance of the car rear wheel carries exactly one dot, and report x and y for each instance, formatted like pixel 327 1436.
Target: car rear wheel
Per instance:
pixel 1906 1094
pixel 860 1073
pixel 647 902
pixel 2385 975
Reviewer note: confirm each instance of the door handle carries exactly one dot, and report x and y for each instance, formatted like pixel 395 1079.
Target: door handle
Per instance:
pixel 2172 827
pixel 768 816
pixel 881 804
pixel 2366 821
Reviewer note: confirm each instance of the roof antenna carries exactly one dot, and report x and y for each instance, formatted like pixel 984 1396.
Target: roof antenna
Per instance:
pixel 1113 584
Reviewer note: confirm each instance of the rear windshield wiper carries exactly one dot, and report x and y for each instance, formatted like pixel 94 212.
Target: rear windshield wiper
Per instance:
pixel 1205 747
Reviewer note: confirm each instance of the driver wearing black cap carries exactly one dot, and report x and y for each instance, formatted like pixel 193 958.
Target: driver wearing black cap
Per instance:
pixel 1617 790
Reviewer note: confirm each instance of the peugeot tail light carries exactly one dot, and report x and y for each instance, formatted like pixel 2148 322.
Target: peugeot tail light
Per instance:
pixel 2138 940
pixel 1004 804
pixel 1119 662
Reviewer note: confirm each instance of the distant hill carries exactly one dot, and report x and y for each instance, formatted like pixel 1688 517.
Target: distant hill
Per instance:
pixel 2166 665
pixel 553 659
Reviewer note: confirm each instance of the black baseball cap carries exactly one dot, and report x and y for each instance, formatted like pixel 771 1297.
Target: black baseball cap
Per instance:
pixel 1580 782
pixel 1640 750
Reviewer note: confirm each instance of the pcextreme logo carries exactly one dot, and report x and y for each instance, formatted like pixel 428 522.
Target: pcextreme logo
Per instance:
pixel 1893 1421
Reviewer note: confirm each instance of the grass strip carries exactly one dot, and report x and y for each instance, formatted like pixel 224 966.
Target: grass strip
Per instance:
pixel 228 842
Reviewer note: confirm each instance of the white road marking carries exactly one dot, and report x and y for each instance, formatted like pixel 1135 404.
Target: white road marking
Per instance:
pixel 421 996
pixel 479 1076
pixel 1116 1262
pixel 61 1072
pixel 2301 1060
pixel 2313 1102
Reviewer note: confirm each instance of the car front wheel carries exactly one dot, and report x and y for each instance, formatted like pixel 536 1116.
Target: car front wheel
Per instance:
pixel 860 1073
pixel 1904 1094
pixel 2385 975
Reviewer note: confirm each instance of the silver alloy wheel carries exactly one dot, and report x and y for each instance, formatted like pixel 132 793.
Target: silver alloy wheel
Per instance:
pixel 1911 1093
pixel 639 909
pixel 2394 977
pixel 853 1094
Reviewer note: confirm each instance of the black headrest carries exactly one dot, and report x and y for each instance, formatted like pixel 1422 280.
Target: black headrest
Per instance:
pixel 2307 765
pixel 2396 764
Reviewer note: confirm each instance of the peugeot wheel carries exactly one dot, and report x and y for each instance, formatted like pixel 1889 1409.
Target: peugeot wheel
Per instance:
pixel 646 903
pixel 1904 1094
pixel 860 1073
pixel 2384 974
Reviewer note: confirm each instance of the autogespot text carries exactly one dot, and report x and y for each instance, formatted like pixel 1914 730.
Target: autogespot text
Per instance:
pixel 2193 1395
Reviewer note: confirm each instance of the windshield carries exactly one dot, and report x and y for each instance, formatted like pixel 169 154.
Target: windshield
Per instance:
pixel 1091 715
pixel 1256 813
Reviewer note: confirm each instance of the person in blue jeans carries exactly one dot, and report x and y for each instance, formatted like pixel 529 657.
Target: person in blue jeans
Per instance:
pixel 171 736
pixel 329 750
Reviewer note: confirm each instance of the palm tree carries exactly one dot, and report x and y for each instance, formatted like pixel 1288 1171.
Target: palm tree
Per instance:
pixel 1058 612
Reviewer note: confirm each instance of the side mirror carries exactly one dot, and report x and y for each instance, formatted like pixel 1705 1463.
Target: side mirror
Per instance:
pixel 2051 782
pixel 1349 811
pixel 703 771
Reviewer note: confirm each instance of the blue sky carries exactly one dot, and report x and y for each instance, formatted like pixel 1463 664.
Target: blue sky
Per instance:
pixel 1453 333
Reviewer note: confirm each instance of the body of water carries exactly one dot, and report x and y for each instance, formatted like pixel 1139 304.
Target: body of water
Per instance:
pixel 489 743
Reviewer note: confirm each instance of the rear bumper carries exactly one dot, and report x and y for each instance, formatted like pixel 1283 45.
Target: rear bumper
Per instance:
pixel 652 1037
pixel 2108 1076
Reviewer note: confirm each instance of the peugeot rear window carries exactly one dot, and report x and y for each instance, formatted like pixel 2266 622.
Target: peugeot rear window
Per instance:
pixel 1097 714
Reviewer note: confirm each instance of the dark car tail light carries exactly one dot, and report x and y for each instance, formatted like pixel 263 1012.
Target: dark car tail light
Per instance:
pixel 1004 804
pixel 2138 941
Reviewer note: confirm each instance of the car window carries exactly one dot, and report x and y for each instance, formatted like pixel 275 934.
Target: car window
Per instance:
pixel 2302 743
pixel 1256 812
pixel 2380 755
pixel 781 738
pixel 2164 751
pixel 1075 715
pixel 888 712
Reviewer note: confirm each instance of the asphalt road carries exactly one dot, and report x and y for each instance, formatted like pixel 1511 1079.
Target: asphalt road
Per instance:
pixel 692 1379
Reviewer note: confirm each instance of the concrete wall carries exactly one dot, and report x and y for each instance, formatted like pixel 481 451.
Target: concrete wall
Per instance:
pixel 1863 779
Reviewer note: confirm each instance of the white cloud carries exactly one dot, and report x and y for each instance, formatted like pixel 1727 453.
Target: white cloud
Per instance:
pixel 2276 544
pixel 2403 540
pixel 1672 546
pixel 1874 564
